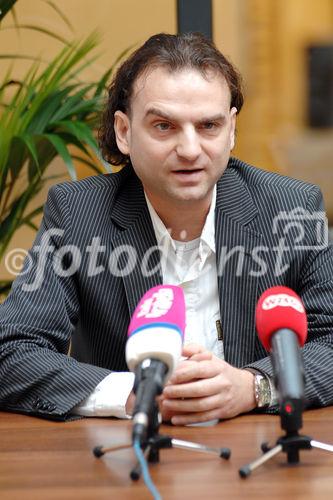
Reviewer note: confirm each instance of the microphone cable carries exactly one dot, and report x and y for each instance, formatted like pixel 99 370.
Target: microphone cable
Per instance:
pixel 145 471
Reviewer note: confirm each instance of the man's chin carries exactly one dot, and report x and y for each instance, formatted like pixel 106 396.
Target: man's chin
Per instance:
pixel 191 194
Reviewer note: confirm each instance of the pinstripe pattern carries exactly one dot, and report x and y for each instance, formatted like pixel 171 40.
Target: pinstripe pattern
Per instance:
pixel 36 328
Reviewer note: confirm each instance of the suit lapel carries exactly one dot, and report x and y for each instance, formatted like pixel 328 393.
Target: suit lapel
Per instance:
pixel 136 243
pixel 235 243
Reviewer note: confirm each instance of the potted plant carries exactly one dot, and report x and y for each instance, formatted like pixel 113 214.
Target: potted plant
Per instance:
pixel 51 112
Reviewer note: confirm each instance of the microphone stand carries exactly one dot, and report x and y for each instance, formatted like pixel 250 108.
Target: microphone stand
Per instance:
pixel 155 442
pixel 291 444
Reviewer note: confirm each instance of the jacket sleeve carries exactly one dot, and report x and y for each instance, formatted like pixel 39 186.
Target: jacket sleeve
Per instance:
pixel 315 287
pixel 36 323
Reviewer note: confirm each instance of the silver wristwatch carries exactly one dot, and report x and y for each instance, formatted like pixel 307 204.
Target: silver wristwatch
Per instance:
pixel 262 389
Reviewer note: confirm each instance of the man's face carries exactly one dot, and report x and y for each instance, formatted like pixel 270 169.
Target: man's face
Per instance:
pixel 179 135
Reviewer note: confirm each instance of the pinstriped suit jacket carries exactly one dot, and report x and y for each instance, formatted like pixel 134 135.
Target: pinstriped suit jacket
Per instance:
pixel 94 311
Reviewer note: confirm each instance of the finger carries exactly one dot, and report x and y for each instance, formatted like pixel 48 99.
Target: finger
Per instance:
pixel 196 388
pixel 191 370
pixel 202 356
pixel 196 405
pixel 166 414
pixel 182 367
pixel 194 418
pixel 191 349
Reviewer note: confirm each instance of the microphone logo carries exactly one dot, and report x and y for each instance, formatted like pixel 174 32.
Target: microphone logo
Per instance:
pixel 282 300
pixel 157 305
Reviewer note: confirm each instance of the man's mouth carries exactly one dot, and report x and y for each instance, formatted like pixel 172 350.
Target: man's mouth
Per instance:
pixel 188 176
pixel 188 171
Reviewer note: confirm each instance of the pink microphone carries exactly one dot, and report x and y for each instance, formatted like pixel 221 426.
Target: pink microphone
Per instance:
pixel 157 327
pixel 153 349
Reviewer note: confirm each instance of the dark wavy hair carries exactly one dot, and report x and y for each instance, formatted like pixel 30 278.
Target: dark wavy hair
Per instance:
pixel 175 52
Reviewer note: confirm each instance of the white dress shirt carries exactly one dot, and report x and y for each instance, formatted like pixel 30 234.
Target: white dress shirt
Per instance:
pixel 192 266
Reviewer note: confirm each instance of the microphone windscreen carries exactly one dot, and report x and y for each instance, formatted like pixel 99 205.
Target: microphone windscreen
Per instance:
pixel 162 305
pixel 157 327
pixel 280 307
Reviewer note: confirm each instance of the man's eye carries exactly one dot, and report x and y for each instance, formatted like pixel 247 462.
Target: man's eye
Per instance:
pixel 209 125
pixel 163 126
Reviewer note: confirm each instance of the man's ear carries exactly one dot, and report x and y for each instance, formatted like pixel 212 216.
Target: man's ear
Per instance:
pixel 233 113
pixel 122 129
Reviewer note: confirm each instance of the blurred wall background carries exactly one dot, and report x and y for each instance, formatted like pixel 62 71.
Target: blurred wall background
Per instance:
pixel 268 40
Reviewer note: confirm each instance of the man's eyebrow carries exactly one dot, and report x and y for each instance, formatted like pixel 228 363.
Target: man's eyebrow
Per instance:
pixel 215 118
pixel 158 112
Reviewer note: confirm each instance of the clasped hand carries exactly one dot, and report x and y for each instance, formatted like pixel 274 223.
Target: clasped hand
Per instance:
pixel 204 387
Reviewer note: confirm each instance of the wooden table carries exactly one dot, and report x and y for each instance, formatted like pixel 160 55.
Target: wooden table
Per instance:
pixel 47 460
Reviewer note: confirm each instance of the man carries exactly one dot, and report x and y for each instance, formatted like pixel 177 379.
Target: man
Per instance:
pixel 181 211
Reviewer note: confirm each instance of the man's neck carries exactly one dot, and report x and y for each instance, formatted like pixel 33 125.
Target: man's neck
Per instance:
pixel 184 221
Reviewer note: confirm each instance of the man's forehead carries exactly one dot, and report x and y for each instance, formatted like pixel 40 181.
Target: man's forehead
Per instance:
pixel 155 72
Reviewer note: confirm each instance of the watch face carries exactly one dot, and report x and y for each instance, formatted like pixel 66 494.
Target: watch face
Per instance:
pixel 264 391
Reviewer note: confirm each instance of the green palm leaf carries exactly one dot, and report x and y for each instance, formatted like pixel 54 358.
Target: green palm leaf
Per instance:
pixel 61 14
pixel 50 112
pixel 33 27
pixel 80 130
pixel 61 148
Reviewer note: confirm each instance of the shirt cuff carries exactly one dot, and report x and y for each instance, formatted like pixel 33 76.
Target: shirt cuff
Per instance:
pixel 109 397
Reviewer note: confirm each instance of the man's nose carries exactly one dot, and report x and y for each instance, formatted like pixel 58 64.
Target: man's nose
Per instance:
pixel 188 146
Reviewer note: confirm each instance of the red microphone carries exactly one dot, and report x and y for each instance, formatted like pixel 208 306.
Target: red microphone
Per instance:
pixel 282 328
pixel 280 307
